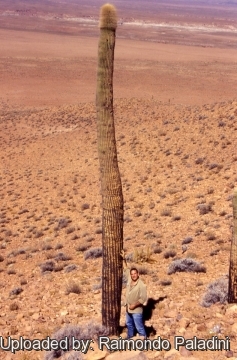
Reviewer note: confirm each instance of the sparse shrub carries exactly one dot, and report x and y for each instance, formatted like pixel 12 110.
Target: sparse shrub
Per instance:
pixel 23 282
pixel 62 223
pixel 142 255
pixel 199 161
pixel 166 212
pixel 213 166
pixel 214 252
pixel 143 270
pixel 59 267
pixel 165 282
pixel 170 253
pixel 70 230
pixel 58 246
pixel 185 265
pixel 62 257
pixel 90 238
pixel 210 236
pixel 11 271
pixel 93 253
pixel 210 190
pixel 88 331
pixel 16 291
pixel 70 268
pixel 83 247
pixel 127 219
pixel 204 208
pixel 157 249
pixel 73 287
pixel 38 234
pixel 85 206
pixel 1 258
pixel 217 291
pixel 47 266
pixel 17 252
pixel 13 306
pixel 46 247
pixel 187 240
pixel 137 213
pixel 98 231
pixel 176 217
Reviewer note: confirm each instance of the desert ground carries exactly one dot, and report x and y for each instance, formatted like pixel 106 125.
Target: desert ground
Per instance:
pixel 175 108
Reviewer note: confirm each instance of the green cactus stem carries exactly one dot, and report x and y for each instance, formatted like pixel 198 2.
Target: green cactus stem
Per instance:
pixel 111 186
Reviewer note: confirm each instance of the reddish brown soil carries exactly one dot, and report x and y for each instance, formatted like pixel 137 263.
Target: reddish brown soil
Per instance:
pixel 175 113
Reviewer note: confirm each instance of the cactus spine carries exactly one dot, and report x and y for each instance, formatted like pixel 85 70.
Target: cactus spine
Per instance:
pixel 232 293
pixel 111 186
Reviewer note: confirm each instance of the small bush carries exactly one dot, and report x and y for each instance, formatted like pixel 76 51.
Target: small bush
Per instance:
pixel 83 247
pixel 98 231
pixel 47 266
pixel 46 247
pixel 62 257
pixel 13 306
pixel 187 240
pixel 85 206
pixel 93 253
pixel 59 268
pixel 214 252
pixel 142 255
pixel 11 271
pixel 166 212
pixel 217 291
pixel 143 270
pixel 165 282
pixel 90 238
pixel 16 291
pixel 176 217
pixel 1 258
pixel 204 209
pixel 70 268
pixel 58 246
pixel 62 223
pixel 157 249
pixel 88 331
pixel 210 236
pixel 17 252
pixel 73 287
pixel 185 265
pixel 70 230
pixel 169 253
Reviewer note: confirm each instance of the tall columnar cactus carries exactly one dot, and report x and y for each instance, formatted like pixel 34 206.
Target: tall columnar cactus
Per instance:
pixel 232 293
pixel 111 186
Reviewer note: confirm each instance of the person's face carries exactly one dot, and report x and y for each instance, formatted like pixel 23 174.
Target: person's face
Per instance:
pixel 134 275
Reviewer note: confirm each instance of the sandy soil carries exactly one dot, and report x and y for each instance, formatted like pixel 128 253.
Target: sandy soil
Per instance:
pixel 175 109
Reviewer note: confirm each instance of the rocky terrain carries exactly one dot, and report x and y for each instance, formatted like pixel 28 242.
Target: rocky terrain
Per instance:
pixel 175 115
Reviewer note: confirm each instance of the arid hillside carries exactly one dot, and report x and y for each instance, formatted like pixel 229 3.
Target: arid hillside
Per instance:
pixel 176 128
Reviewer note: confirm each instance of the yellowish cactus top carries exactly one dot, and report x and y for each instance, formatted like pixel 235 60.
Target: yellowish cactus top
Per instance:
pixel 108 17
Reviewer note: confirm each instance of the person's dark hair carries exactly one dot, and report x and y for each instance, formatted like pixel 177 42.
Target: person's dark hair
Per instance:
pixel 134 269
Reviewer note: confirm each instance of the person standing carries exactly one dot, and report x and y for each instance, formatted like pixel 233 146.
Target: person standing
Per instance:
pixel 136 297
